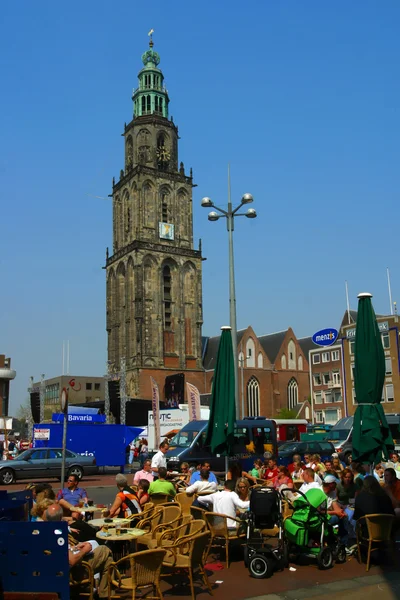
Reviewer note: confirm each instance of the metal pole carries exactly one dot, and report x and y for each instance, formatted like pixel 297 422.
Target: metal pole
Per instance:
pixel 122 391
pixel 242 368
pixel 64 447
pixel 41 396
pixel 390 291
pixel 232 294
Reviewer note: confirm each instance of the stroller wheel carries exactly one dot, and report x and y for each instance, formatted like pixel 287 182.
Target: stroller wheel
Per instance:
pixel 341 555
pixel 325 558
pixel 260 566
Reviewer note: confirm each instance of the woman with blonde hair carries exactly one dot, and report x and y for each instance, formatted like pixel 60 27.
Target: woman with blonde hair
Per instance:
pixel 42 503
pixel 242 488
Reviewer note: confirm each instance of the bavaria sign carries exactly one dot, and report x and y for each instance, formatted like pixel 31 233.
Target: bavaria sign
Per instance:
pixel 325 337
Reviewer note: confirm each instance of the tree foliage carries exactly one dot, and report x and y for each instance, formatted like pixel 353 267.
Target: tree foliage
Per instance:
pixel 286 413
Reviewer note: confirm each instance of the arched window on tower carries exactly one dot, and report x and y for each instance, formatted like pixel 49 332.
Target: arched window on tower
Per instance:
pixel 148 104
pixel 253 397
pixel 292 393
pixel 167 297
pixel 143 105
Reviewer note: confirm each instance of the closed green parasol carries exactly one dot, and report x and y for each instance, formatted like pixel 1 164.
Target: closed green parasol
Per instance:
pixel 372 440
pixel 222 413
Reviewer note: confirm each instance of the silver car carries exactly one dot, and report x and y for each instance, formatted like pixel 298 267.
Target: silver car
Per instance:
pixel 37 463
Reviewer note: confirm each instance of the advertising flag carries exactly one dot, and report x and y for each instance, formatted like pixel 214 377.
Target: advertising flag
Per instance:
pixel 193 402
pixel 155 404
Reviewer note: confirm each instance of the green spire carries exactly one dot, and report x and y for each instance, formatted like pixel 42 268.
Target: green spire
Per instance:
pixel 151 97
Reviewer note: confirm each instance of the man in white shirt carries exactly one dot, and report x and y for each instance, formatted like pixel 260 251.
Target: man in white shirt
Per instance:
pixel 159 459
pixel 203 484
pixel 225 502
pixel 309 481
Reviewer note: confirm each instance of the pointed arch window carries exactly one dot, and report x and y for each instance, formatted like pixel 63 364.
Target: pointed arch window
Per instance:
pixel 292 355
pixel 250 353
pixel 283 361
pixel 293 393
pixel 167 297
pixel 253 397
pixel 300 363
pixel 260 361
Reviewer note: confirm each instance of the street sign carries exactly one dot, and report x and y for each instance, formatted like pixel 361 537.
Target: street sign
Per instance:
pixel 325 337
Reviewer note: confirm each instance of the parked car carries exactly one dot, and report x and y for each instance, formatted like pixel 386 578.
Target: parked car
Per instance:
pixel 286 451
pixel 37 463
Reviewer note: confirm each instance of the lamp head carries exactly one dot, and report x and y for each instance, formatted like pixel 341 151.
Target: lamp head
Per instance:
pixel 206 202
pixel 251 213
pixel 247 198
pixel 213 216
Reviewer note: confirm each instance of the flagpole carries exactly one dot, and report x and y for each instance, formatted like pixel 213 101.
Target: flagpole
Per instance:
pixel 390 291
pixel 347 302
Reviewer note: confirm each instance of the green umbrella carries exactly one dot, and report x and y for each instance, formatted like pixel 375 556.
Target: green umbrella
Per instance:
pixel 222 412
pixel 372 439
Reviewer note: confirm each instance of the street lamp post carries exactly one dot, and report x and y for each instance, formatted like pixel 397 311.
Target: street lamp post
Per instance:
pixel 230 214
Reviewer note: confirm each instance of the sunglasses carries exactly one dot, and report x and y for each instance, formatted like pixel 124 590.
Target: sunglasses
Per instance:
pixel 71 481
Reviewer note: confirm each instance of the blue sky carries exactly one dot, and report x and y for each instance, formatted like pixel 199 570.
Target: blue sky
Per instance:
pixel 301 97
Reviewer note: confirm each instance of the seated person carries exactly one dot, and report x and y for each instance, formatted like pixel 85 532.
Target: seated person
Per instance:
pixel 392 488
pixel 185 473
pixel 126 502
pixel 379 472
pixel 99 557
pixel 359 473
pixel 202 485
pixel 41 505
pixel 337 465
pixel 283 479
pixel 71 496
pixel 257 470
pixel 317 465
pixel 297 470
pixel 161 486
pixel 196 475
pixel 346 489
pixel 225 503
pixel 329 470
pixel 372 499
pixel 394 463
pixel 296 460
pixel 309 481
pixel 144 473
pixel 334 509
pixel 272 471
pixel 143 492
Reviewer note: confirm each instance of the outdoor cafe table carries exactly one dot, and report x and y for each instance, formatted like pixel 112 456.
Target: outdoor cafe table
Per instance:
pixel 102 521
pixel 120 549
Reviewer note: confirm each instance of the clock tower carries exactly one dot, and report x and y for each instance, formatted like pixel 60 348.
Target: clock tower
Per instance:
pixel 154 287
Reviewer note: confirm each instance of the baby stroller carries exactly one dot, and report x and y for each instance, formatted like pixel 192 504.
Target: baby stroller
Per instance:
pixel 308 531
pixel 263 519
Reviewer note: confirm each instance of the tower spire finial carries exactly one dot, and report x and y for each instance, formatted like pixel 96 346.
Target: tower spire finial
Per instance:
pixel 150 34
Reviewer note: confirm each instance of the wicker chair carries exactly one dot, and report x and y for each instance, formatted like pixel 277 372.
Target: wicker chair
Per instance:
pixel 221 535
pixel 189 529
pixel 144 568
pixel 157 499
pixel 171 517
pixel 190 553
pixel 185 502
pixel 197 512
pixel 379 528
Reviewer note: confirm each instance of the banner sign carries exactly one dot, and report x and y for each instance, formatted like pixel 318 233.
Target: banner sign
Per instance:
pixel 325 337
pixel 155 405
pixel 6 423
pixel 193 402
pixel 59 418
pixel 41 434
pixel 383 327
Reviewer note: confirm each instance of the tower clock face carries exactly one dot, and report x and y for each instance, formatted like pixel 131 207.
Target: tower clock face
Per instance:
pixel 163 155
